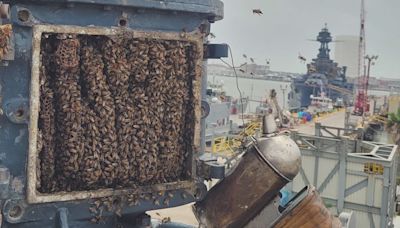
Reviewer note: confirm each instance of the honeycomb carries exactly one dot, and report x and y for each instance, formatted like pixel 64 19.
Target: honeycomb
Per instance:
pixel 115 111
pixel 5 34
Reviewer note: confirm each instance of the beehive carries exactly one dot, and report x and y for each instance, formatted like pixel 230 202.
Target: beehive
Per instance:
pixel 115 111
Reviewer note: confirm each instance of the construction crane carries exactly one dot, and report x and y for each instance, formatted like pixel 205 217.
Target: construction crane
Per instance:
pixel 361 104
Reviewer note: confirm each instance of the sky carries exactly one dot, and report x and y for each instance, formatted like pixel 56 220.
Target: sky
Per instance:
pixel 282 32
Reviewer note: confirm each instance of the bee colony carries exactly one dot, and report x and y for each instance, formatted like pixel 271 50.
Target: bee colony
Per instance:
pixel 5 34
pixel 115 111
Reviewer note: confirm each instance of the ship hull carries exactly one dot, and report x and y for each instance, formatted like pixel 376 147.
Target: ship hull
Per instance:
pixel 305 91
pixel 217 121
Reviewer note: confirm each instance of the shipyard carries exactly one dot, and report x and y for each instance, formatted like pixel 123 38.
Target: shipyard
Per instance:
pixel 193 113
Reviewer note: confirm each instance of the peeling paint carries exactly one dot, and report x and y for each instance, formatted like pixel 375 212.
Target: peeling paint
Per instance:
pixel 17 185
pixel 5 35
pixel 22 133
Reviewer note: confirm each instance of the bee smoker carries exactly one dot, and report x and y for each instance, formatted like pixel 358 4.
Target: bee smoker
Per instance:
pixel 307 210
pixel 268 164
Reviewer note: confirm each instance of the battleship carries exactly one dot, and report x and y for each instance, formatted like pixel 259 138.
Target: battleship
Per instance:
pixel 323 76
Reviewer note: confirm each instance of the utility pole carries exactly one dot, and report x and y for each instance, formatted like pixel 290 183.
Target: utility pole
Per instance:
pixel 370 60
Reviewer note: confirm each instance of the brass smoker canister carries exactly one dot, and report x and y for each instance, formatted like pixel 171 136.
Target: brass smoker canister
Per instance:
pixel 268 165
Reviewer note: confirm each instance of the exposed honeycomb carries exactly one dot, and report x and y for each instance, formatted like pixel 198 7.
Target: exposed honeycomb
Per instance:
pixel 5 34
pixel 114 111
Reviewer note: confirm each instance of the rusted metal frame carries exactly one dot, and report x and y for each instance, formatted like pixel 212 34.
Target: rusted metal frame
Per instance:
pixel 332 173
pixel 33 196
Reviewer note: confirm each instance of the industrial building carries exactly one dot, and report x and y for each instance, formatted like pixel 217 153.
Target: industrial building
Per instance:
pixel 346 53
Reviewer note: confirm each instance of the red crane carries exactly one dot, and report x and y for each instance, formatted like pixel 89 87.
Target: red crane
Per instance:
pixel 361 101
pixel 361 104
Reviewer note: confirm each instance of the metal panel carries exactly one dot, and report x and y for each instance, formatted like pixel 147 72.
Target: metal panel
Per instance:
pixel 328 178
pixel 378 192
pixel 349 179
pixel 359 196
pixel 363 219
pixel 180 17
pixel 308 167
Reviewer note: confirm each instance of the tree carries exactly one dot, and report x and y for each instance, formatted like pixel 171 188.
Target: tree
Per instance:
pixel 393 125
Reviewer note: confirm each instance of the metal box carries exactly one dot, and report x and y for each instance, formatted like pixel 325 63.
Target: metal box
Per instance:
pixel 23 205
pixel 39 33
pixel 350 175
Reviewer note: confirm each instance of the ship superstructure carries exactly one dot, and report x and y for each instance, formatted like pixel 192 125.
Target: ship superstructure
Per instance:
pixel 323 76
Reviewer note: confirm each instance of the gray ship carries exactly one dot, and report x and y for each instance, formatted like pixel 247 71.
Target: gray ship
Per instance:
pixel 218 121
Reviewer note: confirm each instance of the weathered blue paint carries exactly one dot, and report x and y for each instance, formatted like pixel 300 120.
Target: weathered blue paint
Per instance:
pixel 150 15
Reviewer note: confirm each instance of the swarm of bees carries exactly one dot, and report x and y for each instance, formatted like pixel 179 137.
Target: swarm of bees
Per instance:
pixel 117 203
pixel 115 112
pixel 5 34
